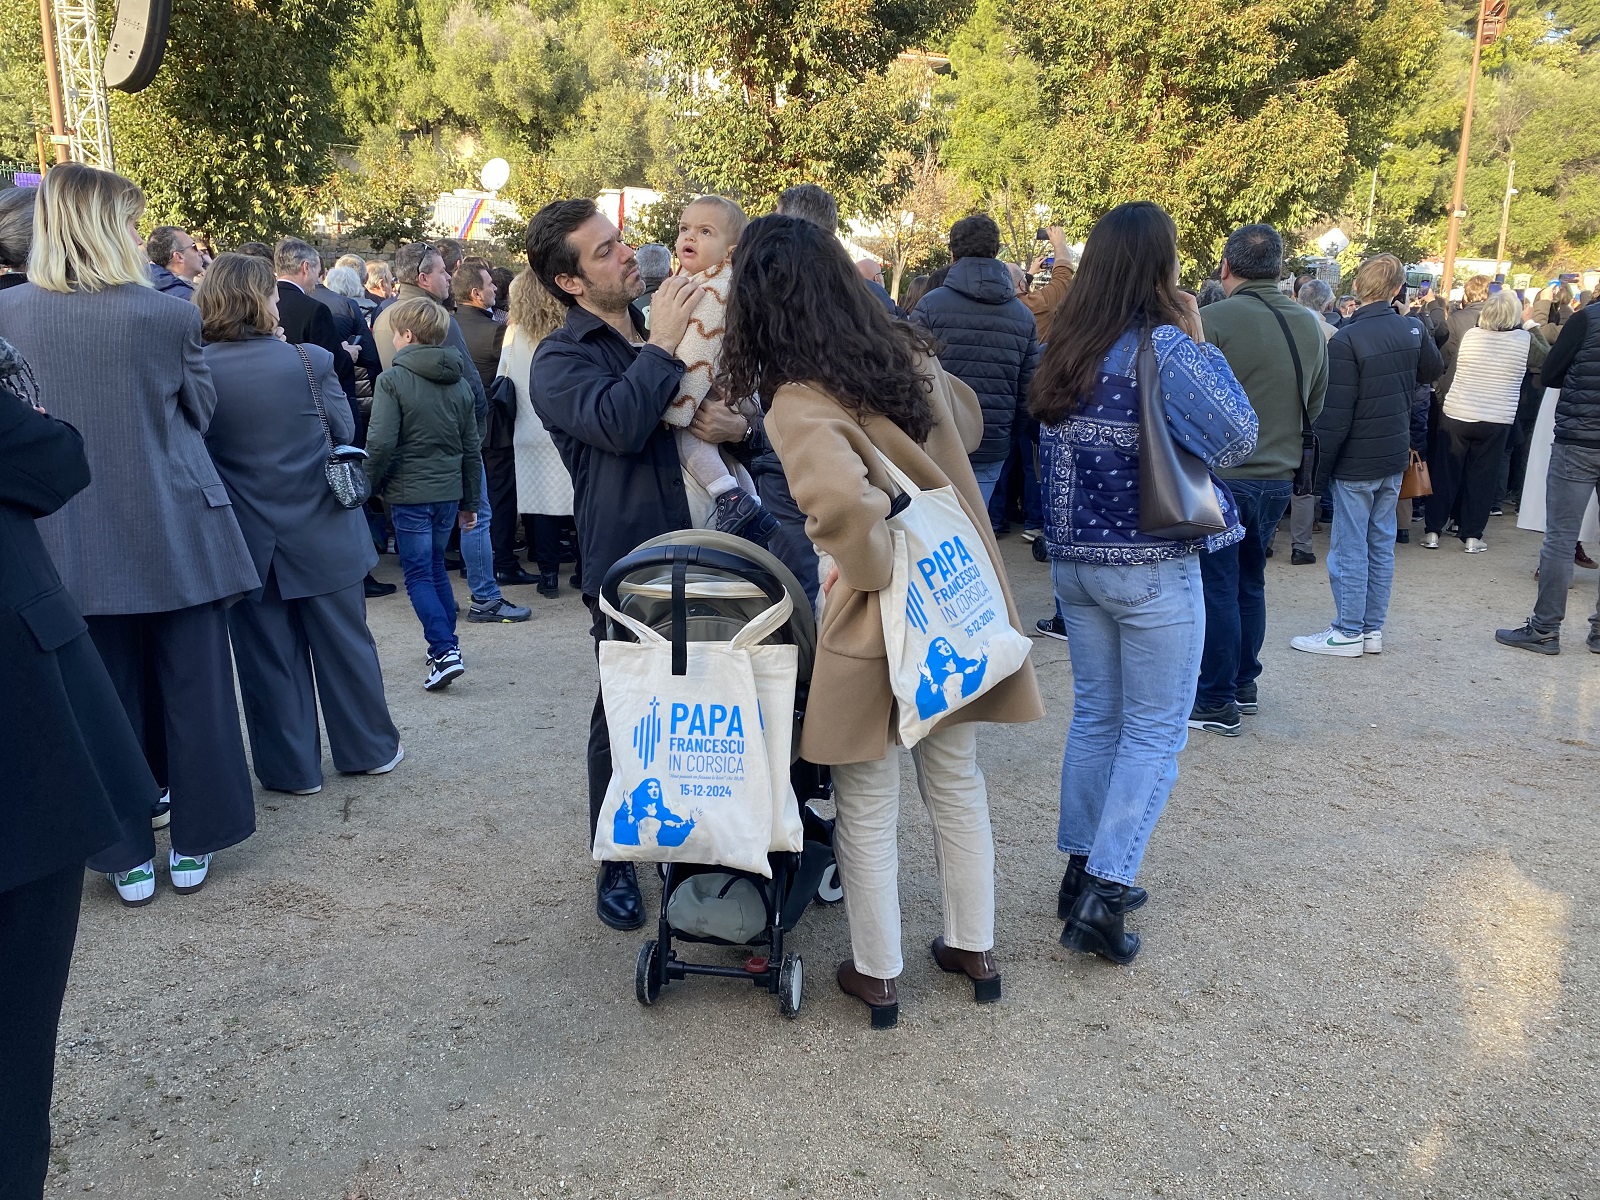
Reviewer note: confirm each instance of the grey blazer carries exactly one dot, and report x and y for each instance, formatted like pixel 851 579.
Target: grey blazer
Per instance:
pixel 268 444
pixel 155 530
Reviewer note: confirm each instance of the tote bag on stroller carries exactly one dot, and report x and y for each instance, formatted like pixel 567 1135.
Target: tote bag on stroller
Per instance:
pixel 945 626
pixel 700 763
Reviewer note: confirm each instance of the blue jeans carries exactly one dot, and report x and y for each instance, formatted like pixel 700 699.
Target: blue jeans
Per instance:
pixel 1235 579
pixel 988 475
pixel 1361 552
pixel 477 552
pixel 1135 635
pixel 420 534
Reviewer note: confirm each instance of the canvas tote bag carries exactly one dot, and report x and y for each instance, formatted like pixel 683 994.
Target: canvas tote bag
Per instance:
pixel 945 626
pixel 693 774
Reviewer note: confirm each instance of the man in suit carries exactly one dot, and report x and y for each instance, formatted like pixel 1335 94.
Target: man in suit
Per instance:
pixel 305 320
pixel 474 291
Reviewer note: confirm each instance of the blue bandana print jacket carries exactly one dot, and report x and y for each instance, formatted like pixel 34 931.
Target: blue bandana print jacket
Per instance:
pixel 1089 463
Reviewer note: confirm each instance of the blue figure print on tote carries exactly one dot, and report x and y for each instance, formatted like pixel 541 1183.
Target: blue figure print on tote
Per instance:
pixel 647 804
pixel 944 670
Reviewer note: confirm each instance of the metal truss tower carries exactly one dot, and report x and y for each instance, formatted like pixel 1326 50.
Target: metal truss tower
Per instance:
pixel 79 52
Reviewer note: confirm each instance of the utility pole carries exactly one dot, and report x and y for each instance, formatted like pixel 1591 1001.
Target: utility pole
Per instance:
pixel 1505 215
pixel 1372 198
pixel 1491 20
pixel 58 126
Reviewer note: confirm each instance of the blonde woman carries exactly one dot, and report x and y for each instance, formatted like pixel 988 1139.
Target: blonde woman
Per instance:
pixel 302 637
pixel 150 550
pixel 1478 409
pixel 544 487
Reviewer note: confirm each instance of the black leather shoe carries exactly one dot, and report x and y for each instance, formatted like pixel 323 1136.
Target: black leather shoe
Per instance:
pixel 372 588
pixel 617 900
pixel 550 584
pixel 1072 886
pixel 1304 558
pixel 514 577
pixel 1095 927
pixel 577 583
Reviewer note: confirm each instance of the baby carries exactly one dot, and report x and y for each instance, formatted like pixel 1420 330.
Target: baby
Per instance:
pixel 707 233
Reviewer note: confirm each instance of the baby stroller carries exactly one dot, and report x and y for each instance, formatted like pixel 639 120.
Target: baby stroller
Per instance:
pixel 701 585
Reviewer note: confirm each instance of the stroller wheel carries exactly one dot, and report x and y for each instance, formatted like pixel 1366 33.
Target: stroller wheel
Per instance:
pixel 830 890
pixel 646 978
pixel 791 981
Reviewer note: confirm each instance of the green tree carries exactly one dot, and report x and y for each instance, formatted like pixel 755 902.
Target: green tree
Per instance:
pixel 22 89
pixel 1265 110
pixel 383 192
pixel 768 93
pixel 233 135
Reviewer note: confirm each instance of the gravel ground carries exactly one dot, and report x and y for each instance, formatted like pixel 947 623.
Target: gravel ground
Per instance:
pixel 1369 963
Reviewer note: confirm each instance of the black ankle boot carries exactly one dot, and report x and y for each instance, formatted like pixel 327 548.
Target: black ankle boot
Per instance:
pixel 617 900
pixel 1095 926
pixel 1072 885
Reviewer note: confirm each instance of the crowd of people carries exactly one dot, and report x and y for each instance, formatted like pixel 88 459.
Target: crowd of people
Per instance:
pixel 202 458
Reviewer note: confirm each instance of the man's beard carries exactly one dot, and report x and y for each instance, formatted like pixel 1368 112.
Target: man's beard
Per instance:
pixel 614 297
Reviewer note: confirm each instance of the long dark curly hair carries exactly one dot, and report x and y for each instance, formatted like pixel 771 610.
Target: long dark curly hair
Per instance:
pixel 798 312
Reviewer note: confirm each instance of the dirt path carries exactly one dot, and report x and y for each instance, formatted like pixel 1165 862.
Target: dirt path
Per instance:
pixel 1369 965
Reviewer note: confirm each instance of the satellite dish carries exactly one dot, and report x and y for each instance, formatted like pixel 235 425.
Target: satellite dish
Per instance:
pixel 494 174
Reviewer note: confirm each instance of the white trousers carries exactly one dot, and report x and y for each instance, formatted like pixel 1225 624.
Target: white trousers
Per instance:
pixel 866 847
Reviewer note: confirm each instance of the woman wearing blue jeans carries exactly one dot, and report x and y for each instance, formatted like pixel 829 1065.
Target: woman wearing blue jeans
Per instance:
pixel 1132 603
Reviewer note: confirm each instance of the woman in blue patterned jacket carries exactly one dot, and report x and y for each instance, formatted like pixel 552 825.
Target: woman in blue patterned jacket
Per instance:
pixel 1132 603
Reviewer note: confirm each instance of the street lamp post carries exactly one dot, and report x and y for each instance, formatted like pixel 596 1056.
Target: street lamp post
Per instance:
pixel 1491 20
pixel 1505 215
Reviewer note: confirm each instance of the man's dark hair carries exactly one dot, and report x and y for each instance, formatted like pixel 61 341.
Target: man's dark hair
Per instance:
pixel 1254 252
pixel 451 251
pixel 550 250
pixel 255 250
pixel 468 279
pixel 976 236
pixel 810 203
pixel 161 243
pixel 410 259
pixel 502 277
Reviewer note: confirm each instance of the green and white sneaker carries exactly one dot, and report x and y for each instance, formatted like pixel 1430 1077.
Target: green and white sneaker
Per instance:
pixel 188 871
pixel 137 887
pixel 1330 641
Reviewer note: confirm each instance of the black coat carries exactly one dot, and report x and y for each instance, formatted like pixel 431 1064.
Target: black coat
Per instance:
pixel 1574 367
pixel 1456 324
pixel 989 340
pixel 350 323
pixel 602 401
pixel 1376 360
pixel 75 779
pixel 306 319
pixel 484 337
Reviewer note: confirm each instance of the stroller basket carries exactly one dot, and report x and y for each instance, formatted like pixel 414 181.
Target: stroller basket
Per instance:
pixel 700 585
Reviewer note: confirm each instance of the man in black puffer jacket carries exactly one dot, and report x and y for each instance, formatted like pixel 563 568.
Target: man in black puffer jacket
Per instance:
pixel 989 339
pixel 1573 365
pixel 1375 362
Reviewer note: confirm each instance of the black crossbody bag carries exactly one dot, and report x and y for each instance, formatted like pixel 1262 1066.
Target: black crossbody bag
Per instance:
pixel 1305 479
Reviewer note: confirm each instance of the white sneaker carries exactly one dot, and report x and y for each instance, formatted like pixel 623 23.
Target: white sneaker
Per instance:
pixel 137 887
pixel 1329 641
pixel 188 871
pixel 1372 643
pixel 399 754
pixel 1476 545
pixel 444 670
pixel 1430 541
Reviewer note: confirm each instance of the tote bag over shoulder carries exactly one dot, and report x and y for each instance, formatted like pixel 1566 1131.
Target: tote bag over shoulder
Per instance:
pixel 945 624
pixel 1177 499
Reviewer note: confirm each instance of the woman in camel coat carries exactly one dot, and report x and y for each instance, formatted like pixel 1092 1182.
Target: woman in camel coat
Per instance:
pixel 804 330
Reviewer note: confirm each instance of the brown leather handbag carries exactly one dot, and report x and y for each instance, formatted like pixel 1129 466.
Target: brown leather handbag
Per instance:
pixel 1416 482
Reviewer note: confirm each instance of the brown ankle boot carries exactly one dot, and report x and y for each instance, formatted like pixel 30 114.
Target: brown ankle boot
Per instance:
pixel 976 965
pixel 877 994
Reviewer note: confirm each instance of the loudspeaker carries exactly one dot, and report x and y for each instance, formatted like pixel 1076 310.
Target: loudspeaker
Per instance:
pixel 138 42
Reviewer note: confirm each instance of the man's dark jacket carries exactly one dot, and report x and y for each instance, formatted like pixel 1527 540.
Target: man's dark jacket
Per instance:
pixel 171 284
pixel 76 781
pixel 350 323
pixel 989 341
pixel 305 319
pixel 602 401
pixel 1573 365
pixel 484 337
pixel 1376 359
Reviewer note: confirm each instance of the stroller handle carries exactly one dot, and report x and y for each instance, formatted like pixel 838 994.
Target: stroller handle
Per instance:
pixel 680 559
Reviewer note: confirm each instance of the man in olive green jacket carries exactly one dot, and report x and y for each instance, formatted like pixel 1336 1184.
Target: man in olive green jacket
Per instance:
pixel 1262 333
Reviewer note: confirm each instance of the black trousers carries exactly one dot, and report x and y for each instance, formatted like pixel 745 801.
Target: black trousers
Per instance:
pixel 500 465
pixel 1466 474
pixel 544 540
pixel 38 924
pixel 174 675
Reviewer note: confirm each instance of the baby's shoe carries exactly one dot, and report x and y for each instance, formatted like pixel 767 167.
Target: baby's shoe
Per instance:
pixel 740 513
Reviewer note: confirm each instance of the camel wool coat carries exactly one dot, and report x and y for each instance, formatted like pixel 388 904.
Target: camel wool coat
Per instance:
pixel 837 481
